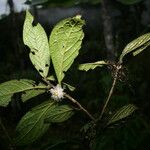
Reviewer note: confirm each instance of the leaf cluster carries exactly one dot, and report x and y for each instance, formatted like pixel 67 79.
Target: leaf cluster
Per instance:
pixel 61 48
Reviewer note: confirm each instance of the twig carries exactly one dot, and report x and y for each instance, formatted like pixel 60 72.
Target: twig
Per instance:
pixel 7 135
pixel 72 100
pixel 111 91
pixel 79 105
pixel 47 82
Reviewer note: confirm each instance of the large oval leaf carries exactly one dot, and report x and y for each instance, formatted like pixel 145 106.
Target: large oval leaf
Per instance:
pixel 88 66
pixel 60 114
pixel 36 39
pixel 122 113
pixel 32 125
pixel 65 42
pixel 136 46
pixel 7 89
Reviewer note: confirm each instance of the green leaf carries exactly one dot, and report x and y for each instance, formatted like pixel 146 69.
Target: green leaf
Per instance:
pixel 92 66
pixel 60 114
pixel 7 89
pixel 51 78
pixel 36 122
pixel 123 112
pixel 36 39
pixel 129 2
pixel 65 42
pixel 31 93
pixel 32 125
pixel 136 46
pixel 70 87
pixel 141 49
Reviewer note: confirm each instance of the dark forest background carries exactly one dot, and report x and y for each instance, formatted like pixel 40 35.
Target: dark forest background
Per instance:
pixel 110 25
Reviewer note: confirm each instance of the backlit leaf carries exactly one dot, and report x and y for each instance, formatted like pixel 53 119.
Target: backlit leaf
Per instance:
pixel 7 89
pixel 65 42
pixel 136 46
pixel 88 66
pixel 51 78
pixel 70 87
pixel 32 125
pixel 35 38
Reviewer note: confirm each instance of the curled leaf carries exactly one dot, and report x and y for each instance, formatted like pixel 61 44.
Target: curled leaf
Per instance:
pixel 88 66
pixel 136 46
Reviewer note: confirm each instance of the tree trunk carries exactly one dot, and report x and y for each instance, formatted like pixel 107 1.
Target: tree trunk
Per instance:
pixel 108 29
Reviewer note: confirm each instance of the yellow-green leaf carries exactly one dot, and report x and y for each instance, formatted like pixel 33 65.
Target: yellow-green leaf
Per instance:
pixel 136 46
pixel 65 42
pixel 88 66
pixel 36 39
pixel 7 89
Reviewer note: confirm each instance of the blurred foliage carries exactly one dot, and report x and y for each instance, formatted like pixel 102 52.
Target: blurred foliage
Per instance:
pixel 61 2
pixel 129 2
pixel 128 136
pixel 75 2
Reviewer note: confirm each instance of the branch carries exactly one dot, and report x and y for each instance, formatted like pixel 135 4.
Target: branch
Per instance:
pixel 79 105
pixel 108 28
pixel 47 82
pixel 72 100
pixel 111 91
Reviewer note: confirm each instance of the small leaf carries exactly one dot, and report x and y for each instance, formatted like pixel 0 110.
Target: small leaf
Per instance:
pixel 60 114
pixel 129 2
pixel 51 78
pixel 123 112
pixel 86 127
pixel 136 46
pixel 7 89
pixel 32 125
pixel 70 87
pixel 36 39
pixel 92 66
pixel 65 42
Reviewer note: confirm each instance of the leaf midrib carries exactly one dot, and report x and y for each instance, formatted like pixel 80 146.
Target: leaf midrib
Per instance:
pixel 64 52
pixel 44 112
pixel 26 89
pixel 68 110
